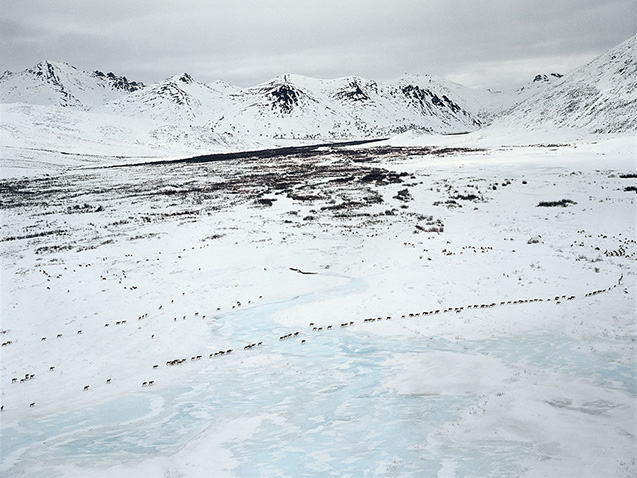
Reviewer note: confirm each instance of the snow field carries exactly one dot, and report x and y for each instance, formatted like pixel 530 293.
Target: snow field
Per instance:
pixel 533 388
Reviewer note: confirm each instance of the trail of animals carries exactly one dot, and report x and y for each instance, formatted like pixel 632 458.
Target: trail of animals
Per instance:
pixel 302 336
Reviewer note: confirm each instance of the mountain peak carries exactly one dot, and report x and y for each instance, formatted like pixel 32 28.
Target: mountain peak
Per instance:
pixel 49 64
pixel 58 83
pixel 51 70
pixel 185 78
pixel 119 82
pixel 355 90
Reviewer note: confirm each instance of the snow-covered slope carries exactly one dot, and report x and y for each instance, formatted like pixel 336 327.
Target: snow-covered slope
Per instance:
pixel 599 97
pixel 539 83
pixel 60 84
pixel 488 105
pixel 36 138
pixel 179 99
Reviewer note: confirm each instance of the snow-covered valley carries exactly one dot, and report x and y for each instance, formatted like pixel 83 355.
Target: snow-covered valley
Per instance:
pixel 391 310
pixel 454 301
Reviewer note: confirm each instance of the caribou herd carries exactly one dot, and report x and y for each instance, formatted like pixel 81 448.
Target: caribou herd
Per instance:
pixel 557 299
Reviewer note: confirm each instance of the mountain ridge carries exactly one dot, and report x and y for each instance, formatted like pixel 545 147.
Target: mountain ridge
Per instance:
pixel 182 114
pixel 60 84
pixel 289 105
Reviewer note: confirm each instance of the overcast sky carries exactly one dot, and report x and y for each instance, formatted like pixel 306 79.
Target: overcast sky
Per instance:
pixel 483 43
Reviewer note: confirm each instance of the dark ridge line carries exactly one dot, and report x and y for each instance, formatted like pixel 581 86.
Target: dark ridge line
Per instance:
pixel 257 154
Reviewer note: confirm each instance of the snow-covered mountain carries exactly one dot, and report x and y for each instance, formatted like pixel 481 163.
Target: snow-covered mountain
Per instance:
pixel 488 105
pixel 292 106
pixel 57 107
pixel 60 84
pixel 289 106
pixel 179 99
pixel 297 107
pixel 599 97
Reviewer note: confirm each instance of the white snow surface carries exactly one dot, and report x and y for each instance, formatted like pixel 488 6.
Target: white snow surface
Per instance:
pixel 451 305
pixel 182 260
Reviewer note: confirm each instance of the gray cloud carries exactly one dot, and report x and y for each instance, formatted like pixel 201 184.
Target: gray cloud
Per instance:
pixel 492 43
